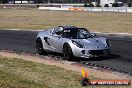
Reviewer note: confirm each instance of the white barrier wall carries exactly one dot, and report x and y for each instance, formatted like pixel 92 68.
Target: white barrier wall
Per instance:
pixel 129 10
pixel 109 9
pixel 93 9
pixel 53 8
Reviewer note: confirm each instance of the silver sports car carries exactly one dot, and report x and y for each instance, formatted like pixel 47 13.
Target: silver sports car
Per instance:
pixel 72 42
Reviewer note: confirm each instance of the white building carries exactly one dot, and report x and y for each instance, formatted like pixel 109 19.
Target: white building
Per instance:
pixel 103 2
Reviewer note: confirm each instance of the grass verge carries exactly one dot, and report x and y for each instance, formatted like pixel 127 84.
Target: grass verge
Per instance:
pixel 41 19
pixel 18 73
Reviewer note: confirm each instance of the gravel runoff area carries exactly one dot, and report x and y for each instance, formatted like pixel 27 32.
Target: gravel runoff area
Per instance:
pixel 26 19
pixel 64 64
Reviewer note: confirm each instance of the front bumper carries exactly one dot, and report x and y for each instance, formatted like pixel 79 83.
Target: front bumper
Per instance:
pixel 93 53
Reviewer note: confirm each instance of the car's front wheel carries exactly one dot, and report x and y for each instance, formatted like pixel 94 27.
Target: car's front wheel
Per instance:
pixel 67 52
pixel 39 46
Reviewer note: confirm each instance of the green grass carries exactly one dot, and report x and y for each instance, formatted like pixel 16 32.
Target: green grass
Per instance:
pixel 41 19
pixel 17 73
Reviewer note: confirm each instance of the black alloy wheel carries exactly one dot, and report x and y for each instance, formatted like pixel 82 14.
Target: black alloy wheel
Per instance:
pixel 67 51
pixel 39 46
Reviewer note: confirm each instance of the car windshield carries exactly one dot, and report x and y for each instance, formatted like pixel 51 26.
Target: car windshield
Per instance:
pixel 76 33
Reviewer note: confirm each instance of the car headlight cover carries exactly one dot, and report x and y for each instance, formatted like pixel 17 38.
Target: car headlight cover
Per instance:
pixel 77 44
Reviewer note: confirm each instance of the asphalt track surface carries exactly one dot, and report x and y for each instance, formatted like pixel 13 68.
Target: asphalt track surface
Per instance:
pixel 24 41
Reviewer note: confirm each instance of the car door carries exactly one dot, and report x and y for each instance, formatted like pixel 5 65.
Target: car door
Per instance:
pixel 54 41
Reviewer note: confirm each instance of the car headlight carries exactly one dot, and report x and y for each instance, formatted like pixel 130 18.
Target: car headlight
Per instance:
pixel 108 42
pixel 77 44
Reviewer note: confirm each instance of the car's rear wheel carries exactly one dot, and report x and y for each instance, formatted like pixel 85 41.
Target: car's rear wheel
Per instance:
pixel 67 52
pixel 39 46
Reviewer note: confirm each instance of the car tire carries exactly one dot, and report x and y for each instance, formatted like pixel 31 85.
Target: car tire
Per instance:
pixel 39 46
pixel 67 52
pixel 108 54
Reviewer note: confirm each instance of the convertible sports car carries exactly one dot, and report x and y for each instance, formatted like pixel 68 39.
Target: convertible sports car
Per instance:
pixel 72 42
